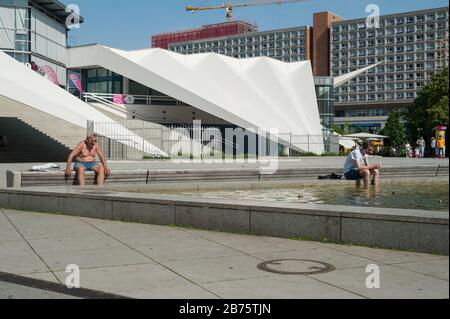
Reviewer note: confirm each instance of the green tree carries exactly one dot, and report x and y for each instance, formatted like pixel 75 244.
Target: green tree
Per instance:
pixel 395 130
pixel 359 129
pixel 429 109
pixel 342 130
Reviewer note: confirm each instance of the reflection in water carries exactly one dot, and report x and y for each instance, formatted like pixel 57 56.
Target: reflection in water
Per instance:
pixel 428 196
pixel 361 196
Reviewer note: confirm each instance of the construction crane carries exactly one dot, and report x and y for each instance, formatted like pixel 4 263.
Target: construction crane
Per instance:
pixel 230 6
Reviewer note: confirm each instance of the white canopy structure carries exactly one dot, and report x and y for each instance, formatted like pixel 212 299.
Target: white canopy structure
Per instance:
pixel 21 84
pixel 366 136
pixel 346 142
pixel 341 80
pixel 257 93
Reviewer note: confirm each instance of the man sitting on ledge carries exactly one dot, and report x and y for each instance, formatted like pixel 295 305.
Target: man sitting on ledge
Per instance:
pixel 85 161
pixel 357 166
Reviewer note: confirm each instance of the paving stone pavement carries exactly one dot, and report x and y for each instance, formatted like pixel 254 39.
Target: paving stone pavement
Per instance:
pixel 155 262
pixel 13 291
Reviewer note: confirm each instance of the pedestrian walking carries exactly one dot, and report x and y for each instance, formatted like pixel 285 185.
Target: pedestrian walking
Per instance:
pixel 433 147
pixel 421 144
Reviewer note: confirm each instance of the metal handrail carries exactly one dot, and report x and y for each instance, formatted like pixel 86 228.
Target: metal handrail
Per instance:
pixel 147 99
pixel 98 97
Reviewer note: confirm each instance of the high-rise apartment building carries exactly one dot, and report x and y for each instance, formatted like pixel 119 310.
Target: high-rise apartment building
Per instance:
pixel 408 48
pixel 289 45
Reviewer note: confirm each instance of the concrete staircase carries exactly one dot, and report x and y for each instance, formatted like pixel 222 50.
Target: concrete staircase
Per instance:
pixel 34 136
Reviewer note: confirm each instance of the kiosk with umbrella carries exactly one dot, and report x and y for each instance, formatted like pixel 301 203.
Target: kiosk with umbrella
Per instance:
pixel 376 140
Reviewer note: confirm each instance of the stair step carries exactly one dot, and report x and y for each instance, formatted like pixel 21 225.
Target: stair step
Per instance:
pixel 28 144
pixel 54 130
pixel 34 135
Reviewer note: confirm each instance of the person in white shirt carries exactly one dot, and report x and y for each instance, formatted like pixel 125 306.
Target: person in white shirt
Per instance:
pixel 357 166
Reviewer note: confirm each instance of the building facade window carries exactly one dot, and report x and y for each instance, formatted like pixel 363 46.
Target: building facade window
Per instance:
pixel 100 80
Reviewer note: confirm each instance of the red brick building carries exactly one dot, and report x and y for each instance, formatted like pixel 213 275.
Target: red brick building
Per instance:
pixel 163 40
pixel 321 42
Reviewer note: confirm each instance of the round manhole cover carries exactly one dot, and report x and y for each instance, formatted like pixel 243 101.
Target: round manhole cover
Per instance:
pixel 297 267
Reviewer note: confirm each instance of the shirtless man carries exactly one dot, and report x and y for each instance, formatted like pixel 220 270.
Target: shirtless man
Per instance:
pixel 85 161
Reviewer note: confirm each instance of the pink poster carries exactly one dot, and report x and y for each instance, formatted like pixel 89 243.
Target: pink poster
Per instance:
pixel 118 99
pixel 51 74
pixel 76 81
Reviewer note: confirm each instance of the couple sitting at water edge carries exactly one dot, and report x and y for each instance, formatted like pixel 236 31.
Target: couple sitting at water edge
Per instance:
pixel 356 167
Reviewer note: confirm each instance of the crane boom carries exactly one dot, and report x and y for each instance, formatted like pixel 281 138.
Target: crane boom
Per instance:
pixel 229 6
pixel 266 2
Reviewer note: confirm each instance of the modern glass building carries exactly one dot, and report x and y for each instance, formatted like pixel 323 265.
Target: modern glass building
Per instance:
pixel 107 83
pixel 34 32
pixel 325 100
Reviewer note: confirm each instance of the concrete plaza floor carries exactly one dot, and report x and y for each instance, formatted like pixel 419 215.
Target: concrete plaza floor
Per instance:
pixel 147 261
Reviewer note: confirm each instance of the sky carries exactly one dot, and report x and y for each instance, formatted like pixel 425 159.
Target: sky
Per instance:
pixel 129 24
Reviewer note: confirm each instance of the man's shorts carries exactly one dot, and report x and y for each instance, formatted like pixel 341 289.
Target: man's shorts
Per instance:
pixel 89 167
pixel 353 175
